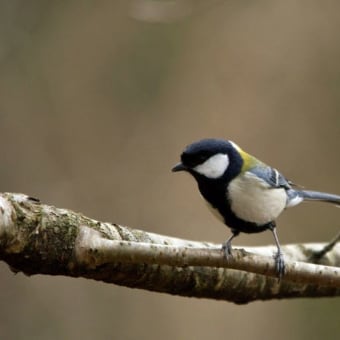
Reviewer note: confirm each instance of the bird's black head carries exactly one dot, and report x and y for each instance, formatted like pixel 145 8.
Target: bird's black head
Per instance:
pixel 211 159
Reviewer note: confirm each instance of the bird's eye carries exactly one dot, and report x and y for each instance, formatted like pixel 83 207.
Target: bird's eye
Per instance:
pixel 192 160
pixel 202 157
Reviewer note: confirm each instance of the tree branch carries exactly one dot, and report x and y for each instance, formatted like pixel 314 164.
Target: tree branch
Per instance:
pixel 41 239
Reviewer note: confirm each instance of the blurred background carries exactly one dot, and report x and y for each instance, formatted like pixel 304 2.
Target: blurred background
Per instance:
pixel 97 101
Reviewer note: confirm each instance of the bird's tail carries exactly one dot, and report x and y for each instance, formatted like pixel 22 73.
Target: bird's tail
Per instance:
pixel 308 195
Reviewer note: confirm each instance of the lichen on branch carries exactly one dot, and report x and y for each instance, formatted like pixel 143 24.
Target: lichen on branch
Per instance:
pixel 40 239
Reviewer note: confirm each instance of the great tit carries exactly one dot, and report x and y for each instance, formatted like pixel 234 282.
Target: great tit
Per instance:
pixel 243 192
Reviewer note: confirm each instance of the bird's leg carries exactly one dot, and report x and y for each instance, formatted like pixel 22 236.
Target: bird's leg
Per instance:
pixel 279 259
pixel 226 247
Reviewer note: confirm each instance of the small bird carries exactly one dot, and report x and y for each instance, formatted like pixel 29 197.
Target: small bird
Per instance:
pixel 243 192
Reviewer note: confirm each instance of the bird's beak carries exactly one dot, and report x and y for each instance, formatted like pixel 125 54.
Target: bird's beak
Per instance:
pixel 179 167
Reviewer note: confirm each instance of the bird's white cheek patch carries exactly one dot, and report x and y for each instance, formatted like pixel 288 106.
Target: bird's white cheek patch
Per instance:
pixel 213 167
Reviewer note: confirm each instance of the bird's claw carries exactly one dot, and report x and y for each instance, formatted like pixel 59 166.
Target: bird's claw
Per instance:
pixel 226 248
pixel 279 264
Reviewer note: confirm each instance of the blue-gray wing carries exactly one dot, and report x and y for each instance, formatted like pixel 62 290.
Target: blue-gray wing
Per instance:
pixel 271 176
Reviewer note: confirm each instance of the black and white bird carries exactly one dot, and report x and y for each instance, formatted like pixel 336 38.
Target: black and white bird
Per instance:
pixel 243 192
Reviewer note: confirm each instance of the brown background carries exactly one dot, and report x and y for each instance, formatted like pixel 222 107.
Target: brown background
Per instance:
pixel 95 108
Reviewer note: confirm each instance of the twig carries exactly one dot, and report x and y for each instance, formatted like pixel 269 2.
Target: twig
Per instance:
pixel 318 255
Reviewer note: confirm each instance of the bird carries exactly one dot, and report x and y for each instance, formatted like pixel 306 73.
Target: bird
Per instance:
pixel 243 192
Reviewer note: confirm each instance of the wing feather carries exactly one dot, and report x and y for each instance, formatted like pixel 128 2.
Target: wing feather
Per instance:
pixel 271 176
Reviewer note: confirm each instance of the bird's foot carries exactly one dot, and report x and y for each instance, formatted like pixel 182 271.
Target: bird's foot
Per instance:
pixel 226 248
pixel 279 264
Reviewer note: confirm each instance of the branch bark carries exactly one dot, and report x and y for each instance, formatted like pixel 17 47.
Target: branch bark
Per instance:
pixel 39 239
